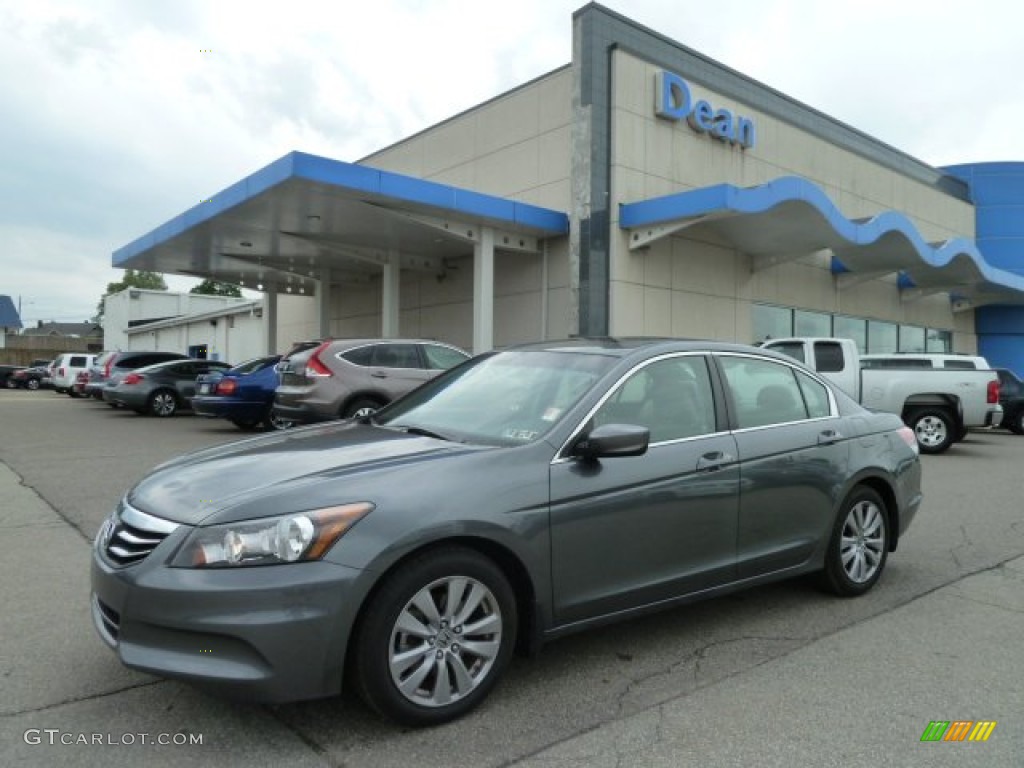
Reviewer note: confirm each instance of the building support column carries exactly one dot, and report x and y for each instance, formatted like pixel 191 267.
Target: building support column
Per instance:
pixel 483 292
pixel 269 320
pixel 323 305
pixel 391 296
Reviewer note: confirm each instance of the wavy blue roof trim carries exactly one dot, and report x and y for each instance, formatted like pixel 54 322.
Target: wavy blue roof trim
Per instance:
pixel 728 199
pixel 358 178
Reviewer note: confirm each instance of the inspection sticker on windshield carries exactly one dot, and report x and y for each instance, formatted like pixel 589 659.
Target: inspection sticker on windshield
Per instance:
pixel 551 414
pixel 519 434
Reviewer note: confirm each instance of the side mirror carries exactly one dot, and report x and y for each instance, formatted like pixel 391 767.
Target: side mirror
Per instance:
pixel 611 440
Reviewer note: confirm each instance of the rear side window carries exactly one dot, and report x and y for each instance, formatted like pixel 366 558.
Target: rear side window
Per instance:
pixel 359 356
pixel 815 396
pixel 396 356
pixel 963 365
pixel 442 358
pixel 77 361
pixel 763 392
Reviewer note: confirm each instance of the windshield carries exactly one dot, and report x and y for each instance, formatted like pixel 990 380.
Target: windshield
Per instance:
pixel 508 398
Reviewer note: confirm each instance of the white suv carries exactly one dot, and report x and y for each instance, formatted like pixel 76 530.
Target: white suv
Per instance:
pixel 66 367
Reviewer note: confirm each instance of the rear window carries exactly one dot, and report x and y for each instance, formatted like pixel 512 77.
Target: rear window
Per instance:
pixel 359 356
pixel 963 365
pixel 440 358
pixel 828 356
pixel 256 364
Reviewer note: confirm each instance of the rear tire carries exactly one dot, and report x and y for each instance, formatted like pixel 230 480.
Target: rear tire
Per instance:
pixel 934 429
pixel 32 384
pixel 162 403
pixel 859 545
pixel 1016 424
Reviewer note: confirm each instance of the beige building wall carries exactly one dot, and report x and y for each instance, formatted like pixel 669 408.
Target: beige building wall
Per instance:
pixel 515 146
pixel 696 284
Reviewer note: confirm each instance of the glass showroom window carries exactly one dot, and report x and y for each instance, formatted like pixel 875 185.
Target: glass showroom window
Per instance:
pixel 812 323
pixel 771 322
pixel 939 341
pixel 855 328
pixel 911 338
pixel 882 337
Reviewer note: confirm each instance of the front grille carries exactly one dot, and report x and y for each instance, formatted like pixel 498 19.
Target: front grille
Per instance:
pixel 132 535
pixel 108 621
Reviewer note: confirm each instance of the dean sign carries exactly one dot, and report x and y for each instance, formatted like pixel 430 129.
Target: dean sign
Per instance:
pixel 673 101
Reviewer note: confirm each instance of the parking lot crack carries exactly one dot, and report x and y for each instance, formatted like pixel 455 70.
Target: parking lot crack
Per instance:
pixel 316 748
pixel 697 658
pixel 80 699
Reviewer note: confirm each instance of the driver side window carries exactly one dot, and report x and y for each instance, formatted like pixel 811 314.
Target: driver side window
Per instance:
pixel 671 397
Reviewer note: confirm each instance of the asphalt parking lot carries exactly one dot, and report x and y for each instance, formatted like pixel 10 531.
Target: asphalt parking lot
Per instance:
pixel 778 676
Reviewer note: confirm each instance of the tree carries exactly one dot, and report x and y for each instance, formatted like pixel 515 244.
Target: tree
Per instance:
pixel 153 281
pixel 210 287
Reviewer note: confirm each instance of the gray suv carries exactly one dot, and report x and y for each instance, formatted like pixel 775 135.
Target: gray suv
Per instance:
pixel 354 377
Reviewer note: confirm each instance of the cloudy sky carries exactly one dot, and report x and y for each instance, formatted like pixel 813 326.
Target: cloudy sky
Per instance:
pixel 120 114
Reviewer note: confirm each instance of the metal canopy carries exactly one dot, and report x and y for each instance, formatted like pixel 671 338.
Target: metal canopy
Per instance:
pixel 791 217
pixel 282 227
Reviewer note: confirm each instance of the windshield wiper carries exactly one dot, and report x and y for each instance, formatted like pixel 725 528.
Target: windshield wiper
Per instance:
pixel 414 430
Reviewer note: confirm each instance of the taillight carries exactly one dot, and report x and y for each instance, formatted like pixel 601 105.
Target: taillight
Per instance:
pixel 910 438
pixel 226 387
pixel 133 378
pixel 993 391
pixel 108 366
pixel 315 366
pixel 60 371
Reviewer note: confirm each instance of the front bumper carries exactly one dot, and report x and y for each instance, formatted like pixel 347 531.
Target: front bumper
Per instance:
pixel 273 633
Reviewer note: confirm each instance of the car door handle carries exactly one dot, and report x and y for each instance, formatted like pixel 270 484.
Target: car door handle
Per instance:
pixel 379 375
pixel 829 436
pixel 715 460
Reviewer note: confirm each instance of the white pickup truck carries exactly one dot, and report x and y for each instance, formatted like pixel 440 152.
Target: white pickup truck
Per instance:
pixel 939 404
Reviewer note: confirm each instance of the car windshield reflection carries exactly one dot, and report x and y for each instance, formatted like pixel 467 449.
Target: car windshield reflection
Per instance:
pixel 509 398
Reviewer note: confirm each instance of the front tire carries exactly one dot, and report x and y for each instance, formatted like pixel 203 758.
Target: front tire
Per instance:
pixel 859 545
pixel 934 429
pixel 438 636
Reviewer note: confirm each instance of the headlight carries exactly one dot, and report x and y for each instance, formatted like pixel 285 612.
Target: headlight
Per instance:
pixel 285 539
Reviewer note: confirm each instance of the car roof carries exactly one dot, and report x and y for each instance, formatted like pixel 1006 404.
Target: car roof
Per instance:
pixel 623 346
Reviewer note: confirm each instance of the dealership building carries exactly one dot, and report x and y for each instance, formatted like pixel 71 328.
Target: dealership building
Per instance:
pixel 642 189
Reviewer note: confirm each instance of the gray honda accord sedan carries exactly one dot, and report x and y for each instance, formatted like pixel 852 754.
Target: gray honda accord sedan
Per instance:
pixel 523 495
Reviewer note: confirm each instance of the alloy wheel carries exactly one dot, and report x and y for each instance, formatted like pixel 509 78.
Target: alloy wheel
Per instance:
pixel 445 641
pixel 863 541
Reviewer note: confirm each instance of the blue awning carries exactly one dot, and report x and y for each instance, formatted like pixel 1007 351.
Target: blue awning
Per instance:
pixel 301 213
pixel 792 217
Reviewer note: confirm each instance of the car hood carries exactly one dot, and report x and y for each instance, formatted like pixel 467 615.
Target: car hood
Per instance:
pixel 221 484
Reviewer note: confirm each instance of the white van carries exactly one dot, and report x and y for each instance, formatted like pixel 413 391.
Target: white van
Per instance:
pixel 66 367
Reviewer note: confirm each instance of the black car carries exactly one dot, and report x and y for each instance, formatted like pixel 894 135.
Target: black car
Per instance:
pixel 1011 397
pixel 520 496
pixel 6 371
pixel 37 377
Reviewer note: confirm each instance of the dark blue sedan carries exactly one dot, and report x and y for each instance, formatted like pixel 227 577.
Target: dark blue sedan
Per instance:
pixel 243 395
